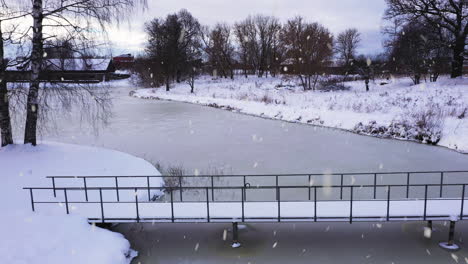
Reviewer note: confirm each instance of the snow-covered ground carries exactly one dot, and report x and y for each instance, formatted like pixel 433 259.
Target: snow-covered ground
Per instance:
pixel 435 113
pixel 47 237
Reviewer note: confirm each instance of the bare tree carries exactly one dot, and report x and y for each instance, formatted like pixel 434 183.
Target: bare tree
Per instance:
pixel 347 43
pixel 246 33
pixel 309 46
pixel 72 17
pixel 418 50
pixel 220 50
pixel 175 44
pixel 268 28
pixel 449 14
pixel 258 38
pixel 163 42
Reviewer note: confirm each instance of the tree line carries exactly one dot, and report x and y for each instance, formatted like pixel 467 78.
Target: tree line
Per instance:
pixel 179 48
pixel 424 38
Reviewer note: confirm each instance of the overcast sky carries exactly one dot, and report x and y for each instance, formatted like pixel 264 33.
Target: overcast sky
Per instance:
pixel 337 15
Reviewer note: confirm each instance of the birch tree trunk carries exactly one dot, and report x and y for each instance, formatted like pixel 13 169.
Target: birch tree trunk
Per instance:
pixel 36 64
pixel 5 122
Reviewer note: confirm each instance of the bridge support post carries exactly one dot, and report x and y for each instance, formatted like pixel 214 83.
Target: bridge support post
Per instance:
pixel 450 245
pixel 429 224
pixel 235 235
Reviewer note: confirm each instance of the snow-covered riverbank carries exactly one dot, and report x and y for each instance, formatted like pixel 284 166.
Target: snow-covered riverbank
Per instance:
pixel 434 113
pixel 47 237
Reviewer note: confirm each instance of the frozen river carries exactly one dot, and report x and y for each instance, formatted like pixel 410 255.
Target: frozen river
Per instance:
pixel 199 137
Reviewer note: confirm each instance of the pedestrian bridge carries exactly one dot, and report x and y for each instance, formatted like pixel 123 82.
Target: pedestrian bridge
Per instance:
pixel 350 197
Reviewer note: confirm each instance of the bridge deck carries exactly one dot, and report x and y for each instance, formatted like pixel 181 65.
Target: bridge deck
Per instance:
pixel 375 210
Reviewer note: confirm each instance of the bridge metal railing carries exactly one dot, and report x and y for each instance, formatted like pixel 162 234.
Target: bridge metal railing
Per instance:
pixel 312 198
pixel 278 180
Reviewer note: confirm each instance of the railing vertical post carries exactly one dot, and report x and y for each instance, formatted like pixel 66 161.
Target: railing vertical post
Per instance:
pixel 207 205
pixel 53 186
pixel 277 194
pixel 242 194
pixel 425 202
pixel 341 188
pixel 66 200
pixel 32 198
pixel 148 184
pixel 351 206
pixel 85 188
pixel 245 189
pixel 388 201
pixel 462 202
pixel 309 188
pixel 315 203
pixel 172 204
pixel 117 188
pixel 180 186
pixel 279 203
pixel 441 183
pixel 102 205
pixel 375 186
pixel 407 184
pixel 212 188
pixel 136 206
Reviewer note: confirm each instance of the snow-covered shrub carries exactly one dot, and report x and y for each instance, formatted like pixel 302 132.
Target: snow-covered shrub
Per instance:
pixel 423 126
pixel 429 123
pixel 267 99
pixel 243 97
pixel 171 174
pixel 332 84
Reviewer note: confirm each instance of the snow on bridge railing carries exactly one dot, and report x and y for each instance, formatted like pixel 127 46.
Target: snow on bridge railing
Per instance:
pixel 313 208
